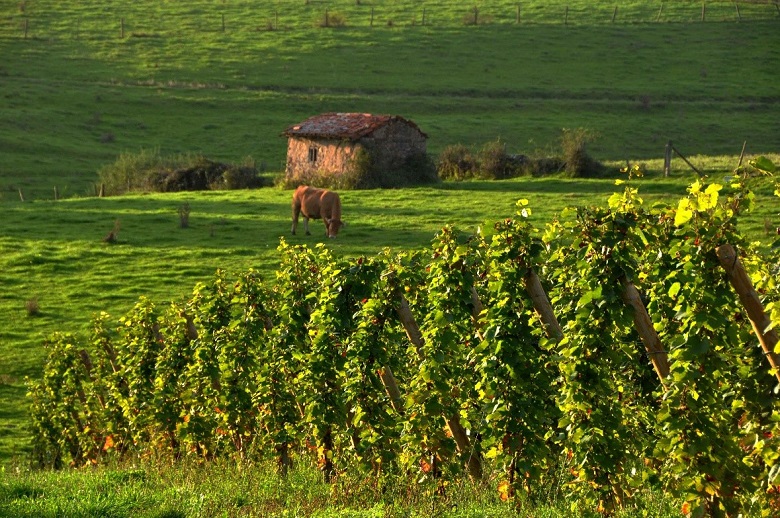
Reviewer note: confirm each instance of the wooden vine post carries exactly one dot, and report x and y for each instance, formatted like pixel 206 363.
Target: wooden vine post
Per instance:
pixel 747 295
pixel 453 422
pixel 391 387
pixel 644 327
pixel 542 306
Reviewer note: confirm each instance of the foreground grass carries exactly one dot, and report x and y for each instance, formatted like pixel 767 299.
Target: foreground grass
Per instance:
pixel 227 488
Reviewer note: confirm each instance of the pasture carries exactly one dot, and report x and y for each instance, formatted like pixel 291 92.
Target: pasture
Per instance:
pixel 82 82
pixel 78 91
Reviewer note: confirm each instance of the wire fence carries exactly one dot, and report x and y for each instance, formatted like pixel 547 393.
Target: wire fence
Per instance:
pixel 122 19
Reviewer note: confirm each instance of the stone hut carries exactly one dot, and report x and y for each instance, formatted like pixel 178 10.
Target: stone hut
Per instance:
pixel 333 144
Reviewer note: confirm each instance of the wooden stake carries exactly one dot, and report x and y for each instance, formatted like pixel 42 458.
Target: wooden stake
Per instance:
pixel 644 327
pixel 21 196
pixel 517 15
pixel 742 154
pixel 542 306
pixel 739 16
pixel 614 14
pixel 122 28
pixel 410 325
pixel 668 158
pixel 391 387
pixel 747 295
pixel 26 27
pixel 56 195
pixel 686 161
pixel 703 10
pixel 566 16
pixel 660 10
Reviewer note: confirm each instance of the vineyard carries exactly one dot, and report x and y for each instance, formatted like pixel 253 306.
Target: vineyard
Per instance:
pixel 621 347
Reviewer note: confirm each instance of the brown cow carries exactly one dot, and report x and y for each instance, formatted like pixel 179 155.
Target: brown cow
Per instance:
pixel 317 203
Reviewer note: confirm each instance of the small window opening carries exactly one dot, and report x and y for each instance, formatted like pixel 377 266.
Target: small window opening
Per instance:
pixel 312 154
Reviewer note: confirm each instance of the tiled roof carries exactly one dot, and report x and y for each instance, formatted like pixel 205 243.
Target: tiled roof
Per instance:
pixel 343 125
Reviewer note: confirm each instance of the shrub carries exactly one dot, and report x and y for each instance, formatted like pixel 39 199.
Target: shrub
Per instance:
pixel 495 163
pixel 184 215
pixel 148 171
pixel 578 164
pixel 456 162
pixel 332 20
pixel 32 307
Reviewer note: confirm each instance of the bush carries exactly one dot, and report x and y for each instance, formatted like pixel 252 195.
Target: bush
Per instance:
pixel 331 20
pixel 148 171
pixel 578 164
pixel 456 163
pixel 495 163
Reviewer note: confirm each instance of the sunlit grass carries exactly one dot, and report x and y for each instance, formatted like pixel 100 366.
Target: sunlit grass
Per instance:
pixel 235 488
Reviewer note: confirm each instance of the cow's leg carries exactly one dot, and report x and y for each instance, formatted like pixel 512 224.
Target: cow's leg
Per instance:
pixel 306 225
pixel 296 210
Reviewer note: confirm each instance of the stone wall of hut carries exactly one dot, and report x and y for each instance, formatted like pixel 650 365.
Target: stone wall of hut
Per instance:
pixel 389 146
pixel 331 156
pixel 392 144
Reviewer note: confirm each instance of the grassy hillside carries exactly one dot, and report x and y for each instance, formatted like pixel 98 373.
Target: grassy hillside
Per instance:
pixel 83 82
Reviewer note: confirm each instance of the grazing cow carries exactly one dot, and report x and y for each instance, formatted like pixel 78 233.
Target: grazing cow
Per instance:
pixel 317 203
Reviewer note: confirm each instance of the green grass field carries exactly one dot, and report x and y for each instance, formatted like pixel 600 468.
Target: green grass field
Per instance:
pixel 77 91
pixel 83 82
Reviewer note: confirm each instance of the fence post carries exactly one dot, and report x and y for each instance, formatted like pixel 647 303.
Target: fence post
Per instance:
pixel 614 14
pixel 703 9
pixel 739 16
pixel 660 10
pixel 26 27
pixel 517 15
pixel 56 194
pixel 747 295
pixel 566 16
pixel 668 158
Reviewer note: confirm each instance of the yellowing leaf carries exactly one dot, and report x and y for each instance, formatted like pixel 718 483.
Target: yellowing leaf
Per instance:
pixel 504 490
pixel 683 214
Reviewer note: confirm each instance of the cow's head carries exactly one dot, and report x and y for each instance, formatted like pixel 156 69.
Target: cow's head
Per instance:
pixel 332 226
